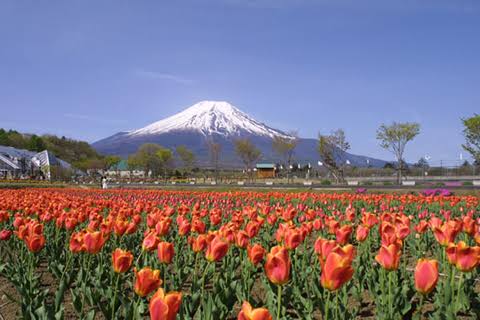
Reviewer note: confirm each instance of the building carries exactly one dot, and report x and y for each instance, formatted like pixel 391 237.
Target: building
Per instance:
pixel 266 170
pixel 19 163
pixel 121 170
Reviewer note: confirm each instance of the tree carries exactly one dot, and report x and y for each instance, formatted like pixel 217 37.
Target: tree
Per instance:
pixel 248 153
pixel 471 131
pixel 285 146
pixel 148 159
pixel 332 150
pixel 111 161
pixel 186 156
pixel 35 143
pixel 422 163
pixel 165 156
pixel 395 137
pixel 133 164
pixel 215 150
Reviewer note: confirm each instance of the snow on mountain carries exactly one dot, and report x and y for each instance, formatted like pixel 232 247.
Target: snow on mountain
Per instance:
pixel 207 118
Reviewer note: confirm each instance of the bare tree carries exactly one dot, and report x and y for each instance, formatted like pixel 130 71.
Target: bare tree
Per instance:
pixel 332 149
pixel 395 137
pixel 285 146
pixel 215 150
pixel 248 153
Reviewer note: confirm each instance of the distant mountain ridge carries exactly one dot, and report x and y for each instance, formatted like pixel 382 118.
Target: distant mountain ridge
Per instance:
pixel 223 123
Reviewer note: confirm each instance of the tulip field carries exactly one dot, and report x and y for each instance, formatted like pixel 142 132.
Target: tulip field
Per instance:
pixel 156 254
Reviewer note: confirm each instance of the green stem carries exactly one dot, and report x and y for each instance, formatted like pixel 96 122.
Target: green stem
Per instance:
pixel 420 306
pixel 140 256
pixel 196 270
pixel 279 301
pixel 115 295
pixel 203 279
pixel 327 305
pixel 460 282
pixel 452 284
pixel 336 305
pixel 390 299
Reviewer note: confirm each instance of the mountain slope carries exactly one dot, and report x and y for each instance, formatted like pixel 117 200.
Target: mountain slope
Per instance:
pixel 216 121
pixel 207 118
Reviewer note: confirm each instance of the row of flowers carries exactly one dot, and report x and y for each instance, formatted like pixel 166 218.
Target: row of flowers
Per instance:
pixel 214 255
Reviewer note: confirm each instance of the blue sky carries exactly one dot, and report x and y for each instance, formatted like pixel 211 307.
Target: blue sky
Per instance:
pixel 88 69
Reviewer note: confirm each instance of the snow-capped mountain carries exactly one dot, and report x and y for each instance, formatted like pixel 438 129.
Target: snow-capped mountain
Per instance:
pixel 222 123
pixel 207 118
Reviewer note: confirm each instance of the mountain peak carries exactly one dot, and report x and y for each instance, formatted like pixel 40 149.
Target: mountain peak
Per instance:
pixel 211 105
pixel 210 117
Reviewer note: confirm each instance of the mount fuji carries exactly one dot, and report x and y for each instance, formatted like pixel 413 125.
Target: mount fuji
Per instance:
pixel 222 123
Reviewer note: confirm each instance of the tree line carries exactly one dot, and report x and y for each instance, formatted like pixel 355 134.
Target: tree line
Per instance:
pixel 156 160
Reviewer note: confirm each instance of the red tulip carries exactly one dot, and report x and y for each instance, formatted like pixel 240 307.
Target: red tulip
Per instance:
pixel 146 281
pixel 5 234
pixel 216 249
pixel 165 252
pixel 389 256
pixel 323 247
pixel 426 275
pixel 248 313
pixel 362 233
pixel 121 260
pixel 277 266
pixel 336 271
pixel 164 306
pixel 255 253
pixel 292 238
pixel 150 242
pixel 241 239
pixel 94 241
pixel 342 234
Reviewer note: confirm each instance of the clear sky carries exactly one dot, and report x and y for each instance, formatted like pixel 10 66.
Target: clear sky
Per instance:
pixel 88 69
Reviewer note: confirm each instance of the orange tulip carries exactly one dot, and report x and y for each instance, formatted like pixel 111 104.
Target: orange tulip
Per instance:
pixel 35 242
pixel 199 243
pixel 465 258
pixel 255 253
pixel 323 247
pixel 447 232
pixel 146 281
pixel 164 306
pixel 426 275
pixel 76 242
pixel 165 252
pixel 277 266
pixel 241 239
pixel 336 271
pixel 216 249
pixel 121 260
pixel 248 313
pixel 389 256
pixel 94 241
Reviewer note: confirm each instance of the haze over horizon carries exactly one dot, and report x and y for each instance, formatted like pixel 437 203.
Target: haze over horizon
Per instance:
pixel 89 69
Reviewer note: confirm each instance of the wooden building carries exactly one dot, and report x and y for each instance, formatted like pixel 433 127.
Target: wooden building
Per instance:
pixel 265 170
